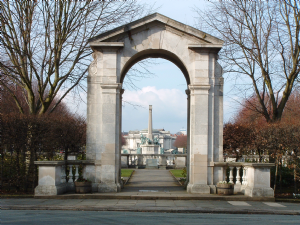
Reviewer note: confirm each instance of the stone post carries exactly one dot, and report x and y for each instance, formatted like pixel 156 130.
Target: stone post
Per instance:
pixel 51 178
pixel 188 138
pixel 162 162
pixel 258 180
pixel 198 139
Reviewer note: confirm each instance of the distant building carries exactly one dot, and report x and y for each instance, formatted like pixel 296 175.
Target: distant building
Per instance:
pixel 133 139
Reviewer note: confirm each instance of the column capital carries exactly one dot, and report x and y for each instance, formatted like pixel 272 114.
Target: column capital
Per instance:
pixel 106 46
pixel 111 86
pixel 199 89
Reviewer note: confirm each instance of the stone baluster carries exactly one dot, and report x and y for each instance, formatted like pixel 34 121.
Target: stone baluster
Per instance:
pixel 238 177
pixel 63 174
pixel 224 173
pixel 70 174
pixel 244 176
pixel 76 172
pixel 231 174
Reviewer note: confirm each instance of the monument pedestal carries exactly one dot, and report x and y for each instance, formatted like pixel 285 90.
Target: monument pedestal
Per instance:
pixel 150 149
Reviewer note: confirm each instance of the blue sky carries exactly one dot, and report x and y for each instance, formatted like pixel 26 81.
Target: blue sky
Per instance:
pixel 166 89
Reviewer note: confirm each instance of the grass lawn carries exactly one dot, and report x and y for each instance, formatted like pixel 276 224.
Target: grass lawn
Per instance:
pixel 126 172
pixel 177 173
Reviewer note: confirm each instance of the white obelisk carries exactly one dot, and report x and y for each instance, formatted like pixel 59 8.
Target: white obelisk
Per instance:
pixel 150 136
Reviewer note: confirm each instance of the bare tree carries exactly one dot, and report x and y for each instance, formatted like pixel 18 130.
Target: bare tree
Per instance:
pixel 46 42
pixel 261 42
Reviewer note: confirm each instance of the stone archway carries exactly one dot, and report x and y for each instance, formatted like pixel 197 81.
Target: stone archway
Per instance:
pixel 195 53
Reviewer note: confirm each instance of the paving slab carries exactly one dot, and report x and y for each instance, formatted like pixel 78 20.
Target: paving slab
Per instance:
pixel 238 203
pixel 274 204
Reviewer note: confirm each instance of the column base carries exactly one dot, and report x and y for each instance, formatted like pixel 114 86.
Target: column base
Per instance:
pixel 238 189
pixel 213 189
pixel 70 187
pixel 109 187
pixel 259 192
pixel 95 187
pixel 46 190
pixel 198 188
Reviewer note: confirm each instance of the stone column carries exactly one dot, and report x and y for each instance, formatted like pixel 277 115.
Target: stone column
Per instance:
pixel 188 138
pixel 109 153
pixel 198 161
pixel 218 121
pixel 205 71
pixel 211 119
pixel 120 132
pixel 103 118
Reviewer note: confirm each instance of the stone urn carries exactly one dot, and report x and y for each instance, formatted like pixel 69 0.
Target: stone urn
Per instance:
pixel 225 188
pixel 83 187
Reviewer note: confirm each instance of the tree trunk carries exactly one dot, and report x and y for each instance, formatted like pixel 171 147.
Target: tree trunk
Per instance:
pixel 18 170
pixel 2 161
pixel 276 173
pixel 295 179
pixel 280 178
pixel 259 155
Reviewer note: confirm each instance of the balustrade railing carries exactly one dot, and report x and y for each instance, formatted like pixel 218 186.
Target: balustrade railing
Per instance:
pixel 58 177
pixel 163 160
pixel 251 179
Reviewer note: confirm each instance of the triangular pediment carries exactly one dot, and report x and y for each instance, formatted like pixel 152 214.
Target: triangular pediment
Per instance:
pixel 158 19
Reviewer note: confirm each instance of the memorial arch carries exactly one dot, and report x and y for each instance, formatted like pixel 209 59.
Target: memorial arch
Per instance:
pixel 196 54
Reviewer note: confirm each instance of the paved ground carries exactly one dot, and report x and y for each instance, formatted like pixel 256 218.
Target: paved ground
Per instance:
pixel 24 217
pixel 152 180
pixel 183 206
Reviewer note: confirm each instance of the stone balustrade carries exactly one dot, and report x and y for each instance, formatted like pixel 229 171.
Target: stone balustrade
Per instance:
pixel 159 161
pixel 250 179
pixel 57 177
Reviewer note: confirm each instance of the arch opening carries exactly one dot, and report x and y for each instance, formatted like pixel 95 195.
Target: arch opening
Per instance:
pixel 169 102
pixel 155 53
